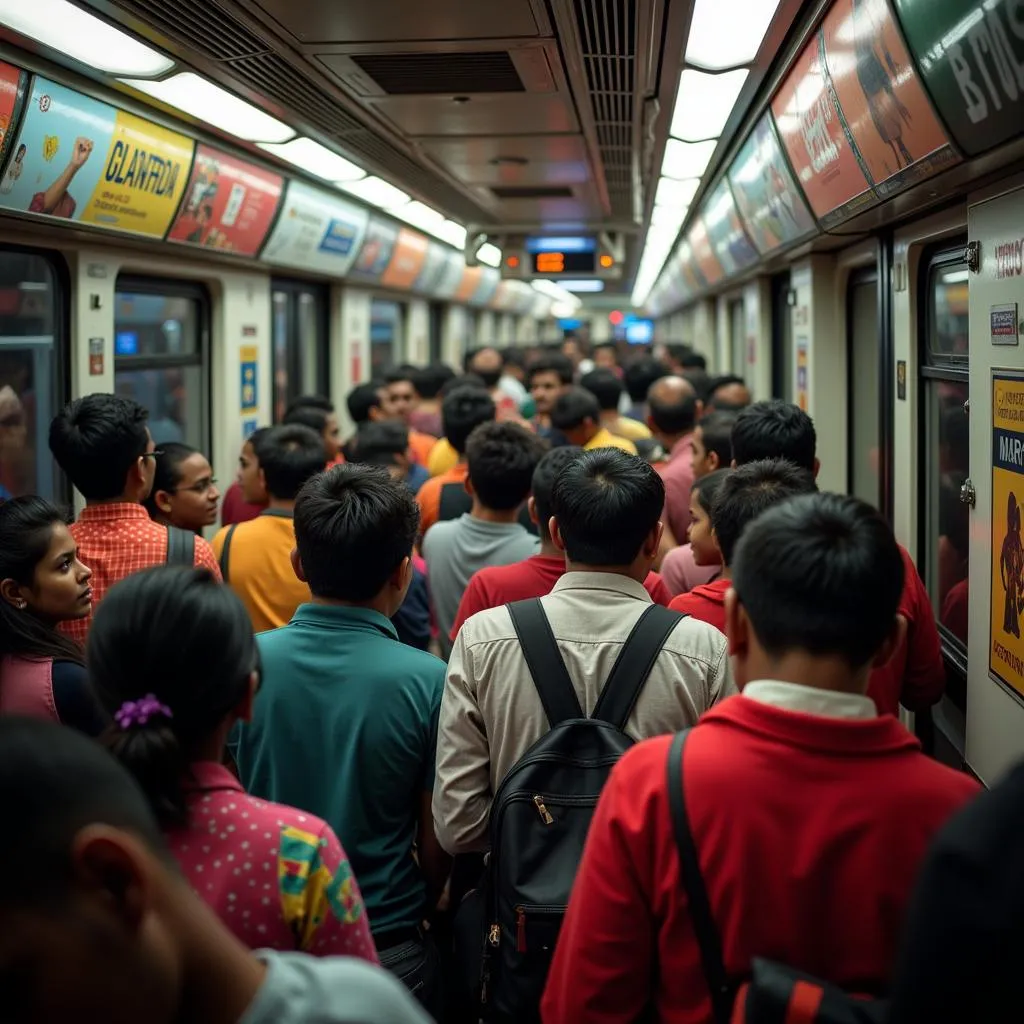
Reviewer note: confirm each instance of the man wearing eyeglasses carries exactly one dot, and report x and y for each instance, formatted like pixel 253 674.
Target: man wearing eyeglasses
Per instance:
pixel 103 445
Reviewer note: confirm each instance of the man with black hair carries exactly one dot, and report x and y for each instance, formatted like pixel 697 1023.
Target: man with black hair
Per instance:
pixel 365 405
pixel 775 430
pixel 606 509
pixel 607 388
pixel 386 444
pixel 102 444
pixel 255 556
pixel 577 416
pixel 727 393
pixel 324 422
pixel 489 364
pixel 547 377
pixel 345 725
pixel 428 382
pixel 500 460
pixel 743 496
pixel 536 575
pixel 639 377
pixel 838 802
pixel 102 926
pixel 399 403
pixel 606 357
pixel 673 409
pixel 463 410
pixel 513 376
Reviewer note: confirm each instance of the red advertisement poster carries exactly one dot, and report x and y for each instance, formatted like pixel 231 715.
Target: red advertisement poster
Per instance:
pixel 471 277
pixel 875 84
pixel 228 204
pixel 811 129
pixel 11 82
pixel 407 260
pixel 707 262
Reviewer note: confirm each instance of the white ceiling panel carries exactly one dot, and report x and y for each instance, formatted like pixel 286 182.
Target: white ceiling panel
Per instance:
pixel 512 114
pixel 513 159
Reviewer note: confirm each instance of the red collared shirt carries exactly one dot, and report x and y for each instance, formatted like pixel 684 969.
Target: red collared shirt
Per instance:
pixel 117 540
pixel 677 475
pixel 277 877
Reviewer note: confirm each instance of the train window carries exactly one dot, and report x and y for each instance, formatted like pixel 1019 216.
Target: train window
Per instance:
pixel 863 339
pixel 31 373
pixel 738 337
pixel 299 342
pixel 386 327
pixel 782 339
pixel 436 331
pixel 160 332
pixel 948 337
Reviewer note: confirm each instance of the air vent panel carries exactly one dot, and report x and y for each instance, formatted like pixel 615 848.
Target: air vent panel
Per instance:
pixel 532 192
pixel 432 74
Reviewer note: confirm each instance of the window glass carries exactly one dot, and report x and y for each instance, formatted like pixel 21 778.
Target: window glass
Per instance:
pixel 862 367
pixel 159 362
pixel 298 343
pixel 783 368
pixel 311 344
pixel 738 337
pixel 385 335
pixel 279 348
pixel 29 378
pixel 948 335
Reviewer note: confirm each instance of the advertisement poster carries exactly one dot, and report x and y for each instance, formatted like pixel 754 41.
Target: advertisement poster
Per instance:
pixel 375 254
pixel 710 268
pixel 451 277
pixel 407 261
pixel 771 207
pixel 489 280
pixel 692 281
pixel 1006 613
pixel 883 103
pixel 433 267
pixel 816 141
pixel 801 373
pixel 13 84
pixel 469 283
pixel 229 204
pixel 249 394
pixel 316 231
pixel 728 238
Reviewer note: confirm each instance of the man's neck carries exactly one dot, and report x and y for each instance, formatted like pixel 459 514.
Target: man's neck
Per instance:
pixel 281 505
pixel 669 441
pixel 375 604
pixel 491 515
pixel 806 669
pixel 634 572
pixel 548 550
pixel 609 418
pixel 121 499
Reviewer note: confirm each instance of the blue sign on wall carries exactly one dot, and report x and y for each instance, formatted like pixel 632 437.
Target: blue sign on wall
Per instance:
pixel 249 392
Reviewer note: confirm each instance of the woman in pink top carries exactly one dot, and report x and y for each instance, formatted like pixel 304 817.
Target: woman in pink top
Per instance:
pixel 42 583
pixel 173 659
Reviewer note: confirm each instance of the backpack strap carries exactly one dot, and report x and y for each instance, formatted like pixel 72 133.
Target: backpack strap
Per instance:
pixel 277 513
pixel 225 551
pixel 703 922
pixel 634 664
pixel 452 502
pixel 181 547
pixel 550 676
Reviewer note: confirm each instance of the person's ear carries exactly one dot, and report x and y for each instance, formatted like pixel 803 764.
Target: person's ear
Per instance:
pixel 892 642
pixel 162 500
pixel 14 594
pixel 262 477
pixel 114 870
pixel 297 566
pixel 700 410
pixel 556 534
pixel 468 484
pixel 711 458
pixel 401 578
pixel 531 508
pixel 653 542
pixel 737 625
pixel 718 547
pixel 732 465
pixel 817 467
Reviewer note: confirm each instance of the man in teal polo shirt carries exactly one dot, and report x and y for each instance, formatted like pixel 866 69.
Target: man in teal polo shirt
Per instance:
pixel 345 723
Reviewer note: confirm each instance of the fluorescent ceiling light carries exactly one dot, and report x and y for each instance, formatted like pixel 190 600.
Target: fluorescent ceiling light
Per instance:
pixel 704 103
pixel 207 102
pixel 727 33
pixel 377 192
pixel 552 291
pixel 582 286
pixel 316 159
pixel 490 254
pixel 87 39
pixel 564 310
pixel 676 193
pixel 421 216
pixel 687 159
pixel 452 233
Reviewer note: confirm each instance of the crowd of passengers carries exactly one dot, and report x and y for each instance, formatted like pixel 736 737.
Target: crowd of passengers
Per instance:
pixel 239 784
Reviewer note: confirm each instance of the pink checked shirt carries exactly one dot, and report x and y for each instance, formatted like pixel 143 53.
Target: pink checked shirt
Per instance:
pixel 277 877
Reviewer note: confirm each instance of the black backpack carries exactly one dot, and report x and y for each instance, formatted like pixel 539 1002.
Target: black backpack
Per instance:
pixel 541 812
pixel 455 500
pixel 773 992
pixel 181 547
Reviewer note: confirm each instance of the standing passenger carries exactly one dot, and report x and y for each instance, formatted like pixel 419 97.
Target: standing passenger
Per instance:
pixel 322 421
pixel 345 725
pixel 838 801
pixel 547 377
pixel 400 403
pixel 577 416
pixel 277 878
pixel 673 409
pixel 246 498
pixel 184 491
pixel 428 381
pixel 607 388
pixel 103 445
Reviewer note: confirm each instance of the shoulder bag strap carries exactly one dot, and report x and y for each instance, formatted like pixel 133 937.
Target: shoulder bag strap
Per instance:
pixel 278 513
pixel 181 547
pixel 544 661
pixel 703 922
pixel 634 664
pixel 452 502
pixel 225 551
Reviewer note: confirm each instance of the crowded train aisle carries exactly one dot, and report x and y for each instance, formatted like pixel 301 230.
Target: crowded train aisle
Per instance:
pixel 556 692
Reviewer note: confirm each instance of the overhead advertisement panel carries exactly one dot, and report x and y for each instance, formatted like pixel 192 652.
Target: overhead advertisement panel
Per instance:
pixel 78 159
pixel 468 285
pixel 693 280
pixel 451 277
pixel 489 280
pixel 710 269
pixel 433 268
pixel 13 86
pixel 728 237
pixel 407 261
pixel 375 255
pixel 892 126
pixel 773 211
pixel 316 231
pixel 229 204
pixel 971 56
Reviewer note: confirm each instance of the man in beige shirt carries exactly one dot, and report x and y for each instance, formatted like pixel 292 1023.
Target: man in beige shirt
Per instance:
pixel 607 508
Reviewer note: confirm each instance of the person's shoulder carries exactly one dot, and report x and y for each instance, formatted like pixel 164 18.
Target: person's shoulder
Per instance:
pixel 488 626
pixel 285 816
pixel 691 638
pixel 439 533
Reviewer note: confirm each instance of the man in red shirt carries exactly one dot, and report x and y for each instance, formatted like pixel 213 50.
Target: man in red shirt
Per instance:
pixel 744 494
pixel 501 584
pixel 915 676
pixel 810 812
pixel 103 445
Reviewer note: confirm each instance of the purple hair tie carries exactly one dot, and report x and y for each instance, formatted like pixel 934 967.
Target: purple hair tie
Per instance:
pixel 138 712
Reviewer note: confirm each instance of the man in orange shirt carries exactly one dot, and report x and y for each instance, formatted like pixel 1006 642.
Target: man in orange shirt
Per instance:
pixel 400 403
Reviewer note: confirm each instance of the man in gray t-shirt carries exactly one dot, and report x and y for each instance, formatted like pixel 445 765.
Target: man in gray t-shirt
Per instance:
pixel 501 458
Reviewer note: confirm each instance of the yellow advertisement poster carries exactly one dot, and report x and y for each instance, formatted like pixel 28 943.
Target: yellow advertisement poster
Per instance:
pixel 1006 649
pixel 145 171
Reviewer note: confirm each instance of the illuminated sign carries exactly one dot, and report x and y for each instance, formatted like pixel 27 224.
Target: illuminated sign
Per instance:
pixel 558 244
pixel 561 262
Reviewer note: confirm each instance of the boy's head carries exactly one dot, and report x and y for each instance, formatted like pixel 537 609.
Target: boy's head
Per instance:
pixel 400 393
pixel 547 377
pixel 673 408
pixel 701 532
pixel 288 456
pixel 429 380
pixel 384 444
pixel 86 930
pixel 775 430
pixel 487 363
pixel 544 477
pixel 816 584
pixel 321 420
pixel 712 443
pixel 366 402
pixel 640 375
pixel 103 445
pixel 502 458
pixel 354 532
pixel 749 491
pixel 254 490
pixel 577 414
pixel 727 393
pixel 605 386
pixel 607 508
pixel 463 410
pixel 605 355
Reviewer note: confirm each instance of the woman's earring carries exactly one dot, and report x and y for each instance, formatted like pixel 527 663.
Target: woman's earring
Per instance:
pixel 21 604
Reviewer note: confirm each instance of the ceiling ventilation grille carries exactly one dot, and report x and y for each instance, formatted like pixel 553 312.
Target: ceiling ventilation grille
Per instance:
pixel 532 191
pixel 421 74
pixel 607 31
pixel 211 31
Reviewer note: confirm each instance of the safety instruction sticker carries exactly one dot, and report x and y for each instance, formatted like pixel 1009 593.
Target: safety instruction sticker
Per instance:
pixel 1006 648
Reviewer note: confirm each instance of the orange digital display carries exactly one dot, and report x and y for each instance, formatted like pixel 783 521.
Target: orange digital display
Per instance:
pixel 550 262
pixel 564 262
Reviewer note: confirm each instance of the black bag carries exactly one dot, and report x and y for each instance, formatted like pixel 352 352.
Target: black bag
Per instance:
pixel 541 812
pixel 455 500
pixel 181 547
pixel 774 992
